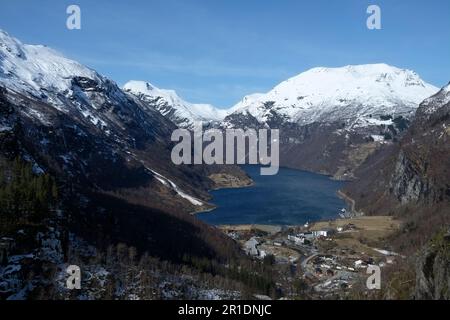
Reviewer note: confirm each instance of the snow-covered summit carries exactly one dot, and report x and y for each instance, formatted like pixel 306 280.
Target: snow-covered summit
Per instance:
pixel 352 93
pixel 36 68
pixel 247 100
pixel 433 103
pixel 169 104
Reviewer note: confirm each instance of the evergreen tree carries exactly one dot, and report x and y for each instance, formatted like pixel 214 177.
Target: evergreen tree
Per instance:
pixel 25 197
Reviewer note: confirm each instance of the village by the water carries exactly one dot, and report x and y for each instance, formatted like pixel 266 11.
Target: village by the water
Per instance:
pixel 332 257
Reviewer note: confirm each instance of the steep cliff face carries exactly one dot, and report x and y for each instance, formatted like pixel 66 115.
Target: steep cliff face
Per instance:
pixel 407 183
pixel 422 172
pixel 433 270
pixel 415 172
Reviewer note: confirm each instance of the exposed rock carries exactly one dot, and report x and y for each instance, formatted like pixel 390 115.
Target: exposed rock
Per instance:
pixel 433 270
pixel 406 182
pixel 413 172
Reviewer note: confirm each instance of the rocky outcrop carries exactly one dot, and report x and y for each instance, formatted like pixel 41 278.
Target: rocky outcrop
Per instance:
pixel 433 270
pixel 227 180
pixel 407 183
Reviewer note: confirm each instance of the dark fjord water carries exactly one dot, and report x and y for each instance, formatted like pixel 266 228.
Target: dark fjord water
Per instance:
pixel 291 197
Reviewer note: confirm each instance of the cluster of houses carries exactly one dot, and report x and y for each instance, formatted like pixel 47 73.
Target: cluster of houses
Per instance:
pixel 337 274
pixel 307 237
pixel 341 282
pixel 304 238
pixel 324 264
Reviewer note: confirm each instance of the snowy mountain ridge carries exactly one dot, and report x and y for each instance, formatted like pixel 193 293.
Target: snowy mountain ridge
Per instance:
pixel 356 95
pixel 35 68
pixel 440 99
pixel 60 95
pixel 350 93
pixel 169 104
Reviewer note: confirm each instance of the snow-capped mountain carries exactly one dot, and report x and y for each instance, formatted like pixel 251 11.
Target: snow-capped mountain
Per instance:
pixel 433 103
pixel 37 69
pixel 109 154
pixel 83 124
pixel 70 87
pixel 170 105
pixel 354 94
pixel 332 119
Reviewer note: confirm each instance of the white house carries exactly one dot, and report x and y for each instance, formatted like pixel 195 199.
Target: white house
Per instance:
pixel 358 263
pixel 298 240
pixel 250 247
pixel 323 233
pixel 320 233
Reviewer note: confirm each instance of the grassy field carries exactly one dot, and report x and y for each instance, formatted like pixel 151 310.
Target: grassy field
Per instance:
pixel 369 232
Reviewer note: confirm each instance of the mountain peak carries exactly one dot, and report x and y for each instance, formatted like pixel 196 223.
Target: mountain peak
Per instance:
pixel 447 88
pixel 359 68
pixel 379 72
pixel 248 99
pixel 139 86
pixel 170 104
pixel 33 68
pixel 345 93
pixel 433 103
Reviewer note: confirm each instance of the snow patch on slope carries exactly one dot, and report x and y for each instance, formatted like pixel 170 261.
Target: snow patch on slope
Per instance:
pixel 170 184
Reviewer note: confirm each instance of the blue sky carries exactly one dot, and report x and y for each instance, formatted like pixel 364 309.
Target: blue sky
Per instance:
pixel 217 51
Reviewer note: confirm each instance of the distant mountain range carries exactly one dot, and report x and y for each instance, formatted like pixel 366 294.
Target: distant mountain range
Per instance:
pixel 357 95
pixel 90 127
pixel 331 119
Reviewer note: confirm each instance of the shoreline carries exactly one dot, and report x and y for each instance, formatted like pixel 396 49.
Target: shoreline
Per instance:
pixel 236 187
pixel 214 207
pixel 193 213
pixel 352 203
pixel 312 225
